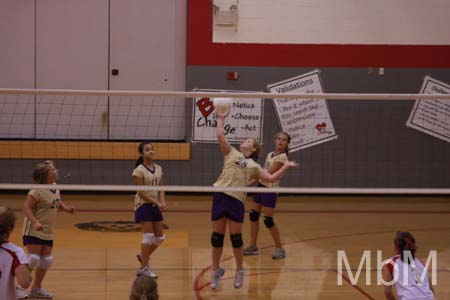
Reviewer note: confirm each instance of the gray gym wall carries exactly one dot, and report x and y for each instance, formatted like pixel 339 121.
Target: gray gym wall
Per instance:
pixel 374 149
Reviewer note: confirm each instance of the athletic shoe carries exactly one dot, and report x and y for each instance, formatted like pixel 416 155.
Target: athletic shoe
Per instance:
pixel 40 293
pixel 21 293
pixel 216 276
pixel 251 250
pixel 279 253
pixel 239 278
pixel 146 272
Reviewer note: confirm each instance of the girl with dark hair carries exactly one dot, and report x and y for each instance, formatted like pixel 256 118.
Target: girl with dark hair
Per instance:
pixel 13 259
pixel 266 201
pixel 406 272
pixel 40 209
pixel 148 206
pixel 239 168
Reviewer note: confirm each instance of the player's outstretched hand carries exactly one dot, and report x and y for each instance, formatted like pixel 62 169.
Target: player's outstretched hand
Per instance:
pixel 291 164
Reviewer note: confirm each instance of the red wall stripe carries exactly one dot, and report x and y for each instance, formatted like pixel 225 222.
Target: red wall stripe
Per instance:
pixel 202 52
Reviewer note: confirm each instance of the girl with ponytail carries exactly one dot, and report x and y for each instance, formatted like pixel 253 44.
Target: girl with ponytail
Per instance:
pixel 406 272
pixel 148 206
pixel 266 202
pixel 239 168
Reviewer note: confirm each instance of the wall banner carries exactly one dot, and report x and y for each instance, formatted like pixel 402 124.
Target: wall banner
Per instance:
pixel 244 121
pixel 307 121
pixel 432 116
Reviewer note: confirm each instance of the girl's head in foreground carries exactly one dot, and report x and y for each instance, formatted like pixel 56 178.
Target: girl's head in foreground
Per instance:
pixel 144 288
pixel 7 221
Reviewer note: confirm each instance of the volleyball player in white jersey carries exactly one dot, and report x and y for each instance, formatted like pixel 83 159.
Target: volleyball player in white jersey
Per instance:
pixel 40 209
pixel 408 272
pixel 13 261
pixel 228 207
pixel 267 201
pixel 148 206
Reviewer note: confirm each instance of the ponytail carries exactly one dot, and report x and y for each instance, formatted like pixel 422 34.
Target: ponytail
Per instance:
pixel 257 152
pixel 404 241
pixel 139 161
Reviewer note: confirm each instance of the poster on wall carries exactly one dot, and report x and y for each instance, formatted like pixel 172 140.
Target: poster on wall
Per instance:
pixel 244 121
pixel 307 121
pixel 432 116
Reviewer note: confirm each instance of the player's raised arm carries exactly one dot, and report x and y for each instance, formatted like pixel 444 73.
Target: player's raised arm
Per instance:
pixel 223 143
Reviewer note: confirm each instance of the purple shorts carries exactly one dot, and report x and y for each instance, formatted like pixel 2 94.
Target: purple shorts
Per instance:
pixel 148 213
pixel 265 199
pixel 32 240
pixel 226 206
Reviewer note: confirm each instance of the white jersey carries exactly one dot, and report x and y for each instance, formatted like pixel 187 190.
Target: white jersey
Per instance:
pixel 11 256
pixel 412 283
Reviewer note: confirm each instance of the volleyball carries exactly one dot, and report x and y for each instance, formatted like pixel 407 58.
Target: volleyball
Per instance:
pixel 222 104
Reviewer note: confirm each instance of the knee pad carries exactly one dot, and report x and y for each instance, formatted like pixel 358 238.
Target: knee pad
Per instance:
pixel 148 238
pixel 254 215
pixel 236 240
pixel 268 221
pixel 33 261
pixel 46 262
pixel 217 239
pixel 159 239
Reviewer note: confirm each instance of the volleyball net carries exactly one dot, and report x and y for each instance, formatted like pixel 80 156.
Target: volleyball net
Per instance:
pixel 344 143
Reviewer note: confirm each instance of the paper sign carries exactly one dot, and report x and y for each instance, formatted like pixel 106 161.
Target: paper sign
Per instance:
pixel 244 121
pixel 307 121
pixel 432 116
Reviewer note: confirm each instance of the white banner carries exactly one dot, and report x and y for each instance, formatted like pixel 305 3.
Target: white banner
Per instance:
pixel 307 121
pixel 432 116
pixel 244 121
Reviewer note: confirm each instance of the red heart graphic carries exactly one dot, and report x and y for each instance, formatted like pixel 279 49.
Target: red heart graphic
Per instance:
pixel 321 126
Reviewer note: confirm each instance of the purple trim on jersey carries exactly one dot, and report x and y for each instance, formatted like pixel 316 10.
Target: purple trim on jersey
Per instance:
pixel 32 240
pixel 226 206
pixel 150 170
pixel 148 213
pixel 265 199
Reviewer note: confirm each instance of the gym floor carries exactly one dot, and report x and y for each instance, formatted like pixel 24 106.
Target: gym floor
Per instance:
pixel 102 264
